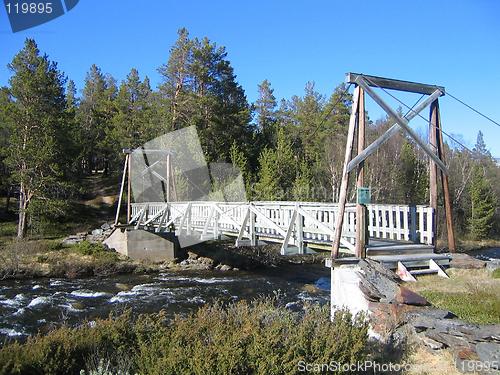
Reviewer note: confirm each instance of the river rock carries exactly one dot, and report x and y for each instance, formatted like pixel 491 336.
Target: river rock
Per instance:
pixel 192 255
pixel 408 297
pixel 434 345
pixel 73 240
pixel 310 288
pixel 225 267
pixel 122 286
pixel 205 260
pixel 465 261
pixel 493 264
pixel 105 226
pixel 97 232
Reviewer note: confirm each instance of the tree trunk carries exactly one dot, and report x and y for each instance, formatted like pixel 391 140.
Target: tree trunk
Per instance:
pixel 21 227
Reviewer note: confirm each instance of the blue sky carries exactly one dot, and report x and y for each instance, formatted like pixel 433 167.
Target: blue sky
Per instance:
pixel 455 44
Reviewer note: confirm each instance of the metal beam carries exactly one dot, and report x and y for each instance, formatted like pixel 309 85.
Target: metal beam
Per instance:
pixel 391 131
pixel 395 84
pixel 402 122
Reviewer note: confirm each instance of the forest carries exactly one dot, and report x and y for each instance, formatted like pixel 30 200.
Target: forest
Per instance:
pixel 53 134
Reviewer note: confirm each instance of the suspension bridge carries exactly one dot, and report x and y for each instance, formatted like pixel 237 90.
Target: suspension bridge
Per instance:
pixel 401 237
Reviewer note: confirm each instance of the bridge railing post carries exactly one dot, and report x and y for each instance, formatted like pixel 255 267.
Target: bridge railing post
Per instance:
pixel 299 227
pixel 253 237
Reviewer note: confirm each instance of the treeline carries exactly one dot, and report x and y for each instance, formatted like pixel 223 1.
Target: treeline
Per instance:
pixel 51 136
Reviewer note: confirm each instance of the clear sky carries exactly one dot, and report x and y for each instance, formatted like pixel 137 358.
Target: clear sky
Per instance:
pixel 454 43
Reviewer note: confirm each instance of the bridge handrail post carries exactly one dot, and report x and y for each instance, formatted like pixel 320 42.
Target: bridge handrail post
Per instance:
pixel 252 229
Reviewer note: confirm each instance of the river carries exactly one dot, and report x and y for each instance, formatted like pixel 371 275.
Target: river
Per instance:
pixel 37 305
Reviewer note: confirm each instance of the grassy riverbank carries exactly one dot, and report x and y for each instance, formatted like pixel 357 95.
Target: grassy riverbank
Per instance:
pixel 472 294
pixel 47 258
pixel 258 337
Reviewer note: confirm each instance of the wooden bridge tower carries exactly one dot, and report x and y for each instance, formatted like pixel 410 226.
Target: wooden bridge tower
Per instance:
pixel 357 124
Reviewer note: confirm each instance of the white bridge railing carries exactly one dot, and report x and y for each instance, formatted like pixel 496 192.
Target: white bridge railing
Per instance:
pixel 293 224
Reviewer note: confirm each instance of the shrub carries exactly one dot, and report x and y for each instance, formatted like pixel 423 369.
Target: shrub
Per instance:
pixel 89 248
pixel 256 337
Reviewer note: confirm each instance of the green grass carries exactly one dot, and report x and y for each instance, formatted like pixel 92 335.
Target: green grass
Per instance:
pixel 496 274
pixel 472 295
pixel 8 229
pixel 482 308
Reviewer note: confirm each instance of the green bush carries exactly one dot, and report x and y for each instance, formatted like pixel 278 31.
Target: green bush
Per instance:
pixel 89 248
pixel 256 337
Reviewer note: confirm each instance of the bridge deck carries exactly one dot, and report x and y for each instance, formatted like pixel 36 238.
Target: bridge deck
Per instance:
pixel 297 226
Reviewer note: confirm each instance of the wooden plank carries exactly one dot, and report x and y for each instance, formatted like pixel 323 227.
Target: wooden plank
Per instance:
pixel 403 123
pixel 395 84
pixel 433 173
pixel 446 188
pixel 394 129
pixel 345 175
pixel 361 220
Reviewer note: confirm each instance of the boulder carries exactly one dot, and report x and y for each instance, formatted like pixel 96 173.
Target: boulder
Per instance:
pixel 192 255
pixel 493 264
pixel 205 260
pixel 105 226
pixel 434 345
pixel 72 240
pixel 408 297
pixel 122 286
pixel 310 288
pixel 97 232
pixel 225 267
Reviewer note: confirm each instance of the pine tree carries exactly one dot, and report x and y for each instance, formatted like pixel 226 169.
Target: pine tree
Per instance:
pixel 132 122
pixel 6 104
pixel 38 114
pixel 480 151
pixel 94 117
pixel 484 204
pixel 265 109
pixel 199 87
pixel 277 171
pixel 302 186
pixel 177 79
pixel 411 177
pixel 240 161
